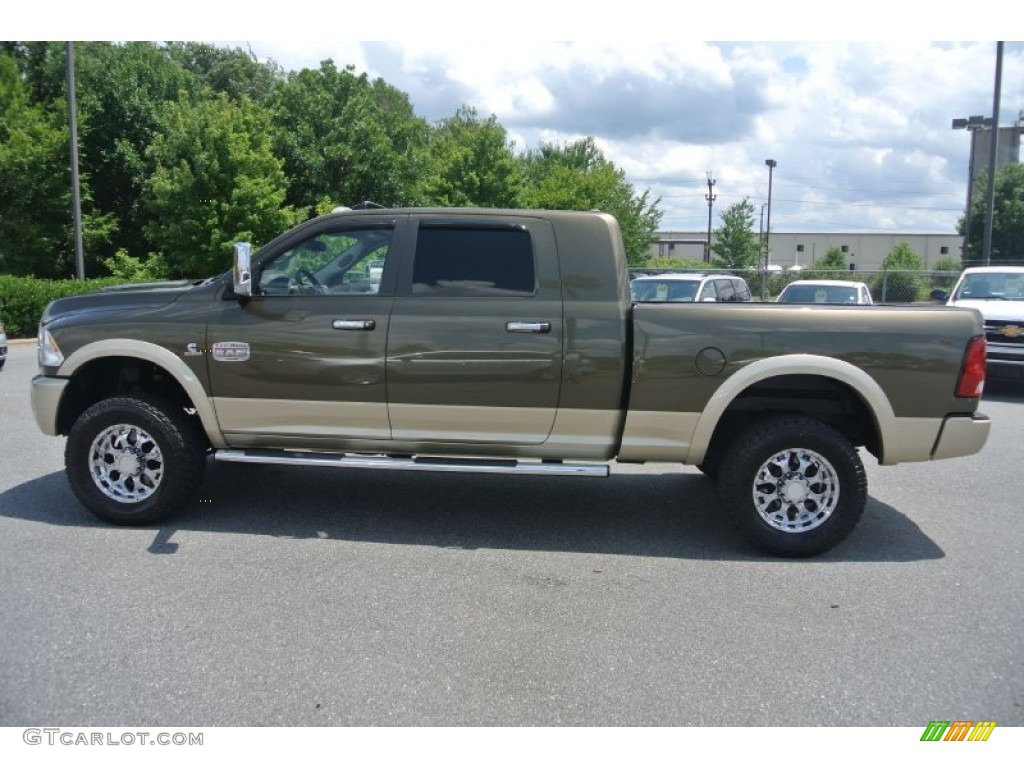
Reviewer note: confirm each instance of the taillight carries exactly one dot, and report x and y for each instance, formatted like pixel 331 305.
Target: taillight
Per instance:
pixel 972 374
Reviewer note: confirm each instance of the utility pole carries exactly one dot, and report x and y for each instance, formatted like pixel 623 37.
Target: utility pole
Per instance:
pixel 986 252
pixel 76 197
pixel 768 229
pixel 710 197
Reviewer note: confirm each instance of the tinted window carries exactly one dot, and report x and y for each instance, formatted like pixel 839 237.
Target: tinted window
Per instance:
pixel 454 261
pixel 726 291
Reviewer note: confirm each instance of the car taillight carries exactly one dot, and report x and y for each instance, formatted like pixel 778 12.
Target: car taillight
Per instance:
pixel 972 374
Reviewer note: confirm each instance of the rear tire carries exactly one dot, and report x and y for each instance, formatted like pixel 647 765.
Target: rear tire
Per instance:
pixel 135 460
pixel 793 486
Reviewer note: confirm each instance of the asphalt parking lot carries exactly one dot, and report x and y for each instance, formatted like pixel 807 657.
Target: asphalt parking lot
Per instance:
pixel 334 597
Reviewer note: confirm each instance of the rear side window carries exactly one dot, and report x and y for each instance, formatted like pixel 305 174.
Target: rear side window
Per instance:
pixel 742 290
pixel 726 292
pixel 473 261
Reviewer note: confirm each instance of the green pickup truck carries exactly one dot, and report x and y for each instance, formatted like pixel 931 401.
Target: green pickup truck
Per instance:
pixel 501 341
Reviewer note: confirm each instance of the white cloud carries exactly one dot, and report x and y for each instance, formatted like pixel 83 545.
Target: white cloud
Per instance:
pixel 861 131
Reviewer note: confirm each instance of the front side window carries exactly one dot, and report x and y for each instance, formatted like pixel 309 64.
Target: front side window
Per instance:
pixel 331 263
pixel 473 261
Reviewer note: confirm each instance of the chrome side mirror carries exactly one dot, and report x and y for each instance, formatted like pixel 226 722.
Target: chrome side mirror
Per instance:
pixel 242 273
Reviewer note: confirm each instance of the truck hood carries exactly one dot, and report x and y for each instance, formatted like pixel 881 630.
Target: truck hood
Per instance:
pixel 995 309
pixel 118 297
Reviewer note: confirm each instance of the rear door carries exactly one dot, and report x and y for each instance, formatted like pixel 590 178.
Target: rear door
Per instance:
pixel 475 343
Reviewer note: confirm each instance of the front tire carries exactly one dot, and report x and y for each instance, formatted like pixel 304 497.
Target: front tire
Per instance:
pixel 793 486
pixel 135 460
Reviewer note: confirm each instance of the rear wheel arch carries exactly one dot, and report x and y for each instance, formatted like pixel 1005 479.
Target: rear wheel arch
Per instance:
pixel 827 390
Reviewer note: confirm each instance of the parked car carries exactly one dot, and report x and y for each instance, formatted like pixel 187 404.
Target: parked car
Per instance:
pixel 998 293
pixel 689 286
pixel 3 345
pixel 825 292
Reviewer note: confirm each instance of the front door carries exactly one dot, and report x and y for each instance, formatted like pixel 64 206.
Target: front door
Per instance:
pixel 302 362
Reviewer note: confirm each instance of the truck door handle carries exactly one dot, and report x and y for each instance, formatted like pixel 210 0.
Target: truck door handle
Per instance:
pixel 354 325
pixel 523 326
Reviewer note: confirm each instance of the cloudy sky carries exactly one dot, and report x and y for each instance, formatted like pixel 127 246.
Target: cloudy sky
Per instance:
pixel 861 131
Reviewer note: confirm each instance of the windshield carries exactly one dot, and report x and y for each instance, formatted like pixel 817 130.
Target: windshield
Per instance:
pixel 992 285
pixel 664 290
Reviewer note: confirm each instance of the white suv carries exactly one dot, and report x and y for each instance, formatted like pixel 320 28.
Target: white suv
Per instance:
pixel 689 286
pixel 998 293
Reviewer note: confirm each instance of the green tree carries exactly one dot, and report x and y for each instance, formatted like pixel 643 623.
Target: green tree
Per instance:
pixel 36 236
pixel 231 71
pixel 735 243
pixel 1007 219
pixel 826 267
pixel 216 181
pixel 344 139
pixel 121 90
pixel 901 279
pixel 474 163
pixel 576 176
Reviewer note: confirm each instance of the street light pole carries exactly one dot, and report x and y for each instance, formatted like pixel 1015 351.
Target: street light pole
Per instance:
pixel 768 229
pixel 972 125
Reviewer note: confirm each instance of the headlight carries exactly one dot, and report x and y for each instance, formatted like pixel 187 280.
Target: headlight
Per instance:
pixel 50 355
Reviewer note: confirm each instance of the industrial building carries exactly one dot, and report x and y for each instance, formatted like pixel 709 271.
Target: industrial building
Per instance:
pixel 862 251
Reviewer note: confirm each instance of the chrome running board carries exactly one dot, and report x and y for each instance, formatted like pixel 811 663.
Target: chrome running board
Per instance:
pixel 418 464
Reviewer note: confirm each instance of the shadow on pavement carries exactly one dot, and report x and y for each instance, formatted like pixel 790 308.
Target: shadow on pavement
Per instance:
pixel 673 515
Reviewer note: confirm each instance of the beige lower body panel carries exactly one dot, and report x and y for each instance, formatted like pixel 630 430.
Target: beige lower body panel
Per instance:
pixel 910 439
pixel 657 436
pixel 46 394
pixel 312 418
pixel 962 436
pixel 473 424
pixel 363 427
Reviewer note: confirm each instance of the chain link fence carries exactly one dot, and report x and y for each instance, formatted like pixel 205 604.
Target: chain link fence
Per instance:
pixel 887 286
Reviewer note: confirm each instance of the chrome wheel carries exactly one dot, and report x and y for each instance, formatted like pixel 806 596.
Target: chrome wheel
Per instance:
pixel 126 463
pixel 796 490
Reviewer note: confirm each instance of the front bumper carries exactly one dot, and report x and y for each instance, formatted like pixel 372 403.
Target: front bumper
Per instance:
pixel 47 392
pixel 962 436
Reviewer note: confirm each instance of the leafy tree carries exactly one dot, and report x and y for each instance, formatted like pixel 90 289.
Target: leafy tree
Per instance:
pixel 576 176
pixel 231 71
pixel 344 139
pixel 900 280
pixel 474 163
pixel 122 91
pixel 126 267
pixel 833 259
pixel 216 181
pixel 826 267
pixel 734 243
pixel 36 235
pixel 1007 219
